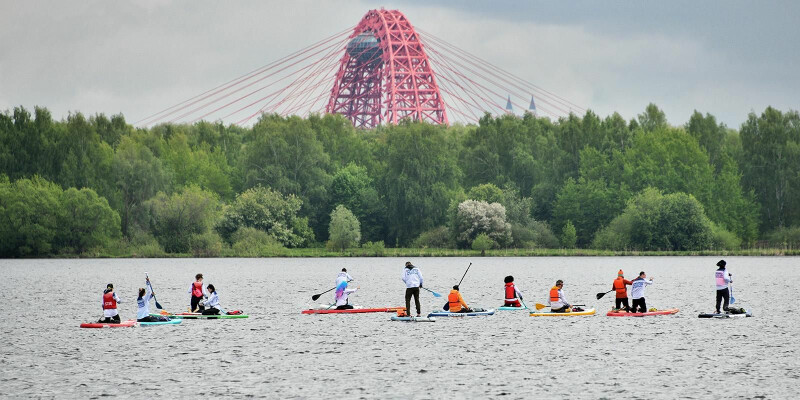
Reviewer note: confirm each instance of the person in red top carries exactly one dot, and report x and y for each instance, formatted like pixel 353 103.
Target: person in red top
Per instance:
pixel 513 296
pixel 197 293
pixel 619 286
pixel 110 300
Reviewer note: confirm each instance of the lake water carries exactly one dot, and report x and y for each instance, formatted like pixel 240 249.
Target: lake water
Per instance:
pixel 279 353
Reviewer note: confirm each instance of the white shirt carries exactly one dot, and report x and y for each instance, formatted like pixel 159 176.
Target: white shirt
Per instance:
pixel 144 304
pixel 412 277
pixel 213 301
pixel 723 278
pixel 343 300
pixel 562 300
pixel 343 276
pixel 637 287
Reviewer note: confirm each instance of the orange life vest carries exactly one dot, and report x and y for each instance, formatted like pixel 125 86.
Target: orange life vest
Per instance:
pixel 109 302
pixel 511 292
pixel 554 297
pixel 454 301
pixel 619 287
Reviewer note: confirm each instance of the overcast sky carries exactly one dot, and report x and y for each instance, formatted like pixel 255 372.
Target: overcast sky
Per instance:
pixel 727 58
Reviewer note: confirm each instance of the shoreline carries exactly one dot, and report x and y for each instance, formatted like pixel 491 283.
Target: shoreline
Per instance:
pixel 437 252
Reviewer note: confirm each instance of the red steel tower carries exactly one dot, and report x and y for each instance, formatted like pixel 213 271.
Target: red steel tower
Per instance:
pixel 385 75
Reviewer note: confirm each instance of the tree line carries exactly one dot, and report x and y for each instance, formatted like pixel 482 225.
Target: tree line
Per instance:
pixel 98 185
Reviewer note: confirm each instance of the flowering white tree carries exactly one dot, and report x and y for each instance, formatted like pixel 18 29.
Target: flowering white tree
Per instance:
pixel 476 217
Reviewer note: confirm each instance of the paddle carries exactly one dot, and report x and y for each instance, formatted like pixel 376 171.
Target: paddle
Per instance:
pixel 600 295
pixel 158 306
pixel 446 306
pixel 432 292
pixel 730 289
pixel 540 306
pixel 316 296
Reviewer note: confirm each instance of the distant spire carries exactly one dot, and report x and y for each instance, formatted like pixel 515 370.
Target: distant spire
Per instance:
pixel 509 108
pixel 532 108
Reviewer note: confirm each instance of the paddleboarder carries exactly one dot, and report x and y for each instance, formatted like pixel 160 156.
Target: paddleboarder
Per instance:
pixel 637 292
pixel 556 299
pixel 513 295
pixel 110 300
pixel 143 302
pixel 342 294
pixel 412 277
pixel 343 276
pixel 196 290
pixel 456 302
pixel 212 303
pixel 723 280
pixel 619 286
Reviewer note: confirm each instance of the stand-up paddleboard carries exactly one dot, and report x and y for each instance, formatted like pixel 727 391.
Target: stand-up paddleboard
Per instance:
pixel 590 311
pixel 352 311
pixel 747 313
pixel 414 319
pixel 504 308
pixel 622 313
pixel 474 313
pixel 125 324
pixel 202 316
pixel 170 322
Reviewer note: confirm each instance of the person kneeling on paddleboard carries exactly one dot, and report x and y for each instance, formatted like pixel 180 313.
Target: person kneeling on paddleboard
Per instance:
pixel 513 295
pixel 110 300
pixel 196 290
pixel 723 279
pixel 637 292
pixel 143 302
pixel 456 302
pixel 619 286
pixel 556 300
pixel 212 303
pixel 413 280
pixel 342 295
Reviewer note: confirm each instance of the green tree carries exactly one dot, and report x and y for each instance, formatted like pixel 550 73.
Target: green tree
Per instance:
pixel 344 230
pixel 482 242
pixel 652 118
pixel 269 211
pixel 486 192
pixel 88 221
pixel 352 187
pixel 138 175
pixel 568 236
pixel 179 219
pixel 30 214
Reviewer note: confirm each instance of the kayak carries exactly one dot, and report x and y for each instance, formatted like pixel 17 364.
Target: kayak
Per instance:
pixel 504 308
pixel 201 316
pixel 170 322
pixel 352 311
pixel 414 319
pixel 590 311
pixel 127 324
pixel 748 313
pixel 475 313
pixel 644 314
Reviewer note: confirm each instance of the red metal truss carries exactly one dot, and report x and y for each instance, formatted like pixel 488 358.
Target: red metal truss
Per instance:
pixel 396 83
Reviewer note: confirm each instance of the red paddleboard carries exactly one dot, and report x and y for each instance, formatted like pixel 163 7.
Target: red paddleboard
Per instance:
pixel 645 314
pixel 353 311
pixel 127 324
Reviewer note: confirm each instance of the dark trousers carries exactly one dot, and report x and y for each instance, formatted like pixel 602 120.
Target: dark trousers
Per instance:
pixel 152 318
pixel 211 311
pixel 723 294
pixel 412 291
pixel 640 305
pixel 196 304
pixel 562 309
pixel 115 319
pixel 623 302
pixel 345 307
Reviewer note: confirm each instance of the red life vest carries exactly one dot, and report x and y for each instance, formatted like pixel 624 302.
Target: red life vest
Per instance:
pixel 619 287
pixel 109 302
pixel 554 297
pixel 197 289
pixel 511 292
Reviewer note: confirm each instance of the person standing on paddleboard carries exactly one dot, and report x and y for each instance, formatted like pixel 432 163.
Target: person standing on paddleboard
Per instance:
pixel 723 280
pixel 513 295
pixel 343 276
pixel 196 290
pixel 413 280
pixel 110 300
pixel 619 286
pixel 557 300
pixel 637 292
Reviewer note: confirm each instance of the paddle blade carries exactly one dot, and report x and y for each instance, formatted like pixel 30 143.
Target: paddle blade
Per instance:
pixel 435 294
pixel 315 297
pixel 540 306
pixel 158 305
pixel 600 295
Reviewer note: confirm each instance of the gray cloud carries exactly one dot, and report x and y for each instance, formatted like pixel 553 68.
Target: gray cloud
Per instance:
pixel 726 58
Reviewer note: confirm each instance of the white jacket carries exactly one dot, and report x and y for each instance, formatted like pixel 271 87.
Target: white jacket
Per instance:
pixel 343 276
pixel 213 301
pixel 343 299
pixel 412 277
pixel 144 303
pixel 722 278
pixel 638 286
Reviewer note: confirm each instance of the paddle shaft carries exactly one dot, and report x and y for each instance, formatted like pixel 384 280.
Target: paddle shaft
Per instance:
pixel 432 292
pixel 465 274
pixel 158 306
pixel 316 296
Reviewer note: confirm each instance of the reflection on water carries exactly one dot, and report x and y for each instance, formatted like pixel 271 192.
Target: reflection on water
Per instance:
pixel 280 353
